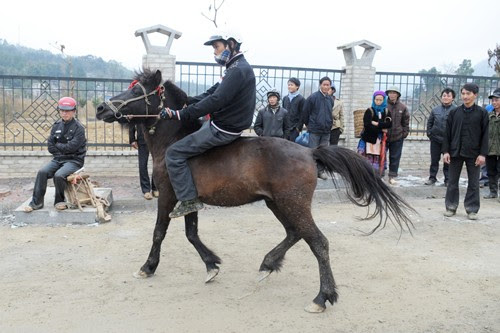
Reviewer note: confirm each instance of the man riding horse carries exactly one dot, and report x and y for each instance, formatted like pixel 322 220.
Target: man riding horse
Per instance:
pixel 230 105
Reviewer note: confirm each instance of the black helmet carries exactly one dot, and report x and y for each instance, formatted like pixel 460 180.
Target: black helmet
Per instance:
pixel 273 92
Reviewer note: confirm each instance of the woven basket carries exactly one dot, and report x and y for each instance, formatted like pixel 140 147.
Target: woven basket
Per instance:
pixel 358 122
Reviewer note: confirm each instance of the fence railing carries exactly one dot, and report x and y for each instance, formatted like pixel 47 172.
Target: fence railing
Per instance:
pixel 422 92
pixel 28 104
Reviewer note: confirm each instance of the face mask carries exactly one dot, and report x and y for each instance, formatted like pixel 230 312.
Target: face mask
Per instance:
pixel 222 58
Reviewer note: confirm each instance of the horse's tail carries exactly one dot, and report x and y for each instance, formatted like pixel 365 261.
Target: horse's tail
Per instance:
pixel 364 186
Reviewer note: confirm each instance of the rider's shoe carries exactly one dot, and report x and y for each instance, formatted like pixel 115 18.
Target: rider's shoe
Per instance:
pixel 186 207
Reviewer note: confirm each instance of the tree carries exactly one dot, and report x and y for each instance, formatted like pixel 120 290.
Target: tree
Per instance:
pixel 465 68
pixel 494 59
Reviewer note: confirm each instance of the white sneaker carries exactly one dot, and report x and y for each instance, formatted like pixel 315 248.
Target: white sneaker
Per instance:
pixel 392 181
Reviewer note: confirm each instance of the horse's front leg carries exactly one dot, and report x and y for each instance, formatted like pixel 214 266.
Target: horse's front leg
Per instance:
pixel 165 206
pixel 209 258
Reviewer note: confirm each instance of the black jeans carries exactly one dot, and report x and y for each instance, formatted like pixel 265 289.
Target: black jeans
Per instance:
pixel 493 167
pixel 334 136
pixel 471 201
pixel 395 150
pixel 194 144
pixel 435 157
pixel 147 185
pixel 58 170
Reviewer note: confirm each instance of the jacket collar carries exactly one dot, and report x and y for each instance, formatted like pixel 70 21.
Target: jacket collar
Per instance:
pixel 233 59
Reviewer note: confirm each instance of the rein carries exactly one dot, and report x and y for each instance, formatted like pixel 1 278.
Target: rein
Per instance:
pixel 116 109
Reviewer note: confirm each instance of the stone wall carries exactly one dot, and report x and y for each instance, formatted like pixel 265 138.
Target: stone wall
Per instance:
pixel 14 164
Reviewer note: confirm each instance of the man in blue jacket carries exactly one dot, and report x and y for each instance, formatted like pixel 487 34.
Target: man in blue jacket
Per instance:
pixel 231 106
pixel 318 117
pixel 435 132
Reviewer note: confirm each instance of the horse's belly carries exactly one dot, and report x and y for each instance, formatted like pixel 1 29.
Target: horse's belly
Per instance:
pixel 230 195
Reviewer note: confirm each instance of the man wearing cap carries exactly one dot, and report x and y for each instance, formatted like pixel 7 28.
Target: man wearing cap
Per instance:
pixel 68 146
pixel 231 106
pixel 294 104
pixel 273 119
pixel 398 132
pixel 338 117
pixel 493 158
pixel 465 142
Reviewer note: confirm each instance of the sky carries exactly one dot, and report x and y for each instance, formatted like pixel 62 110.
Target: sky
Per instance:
pixel 413 35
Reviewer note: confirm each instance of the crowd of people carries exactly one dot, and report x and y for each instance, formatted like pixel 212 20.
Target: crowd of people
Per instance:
pixel 464 134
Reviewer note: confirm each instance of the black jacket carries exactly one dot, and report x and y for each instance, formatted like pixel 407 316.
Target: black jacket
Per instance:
pixel 295 109
pixel 466 133
pixel 269 123
pixel 139 138
pixel 370 131
pixel 67 141
pixel 436 124
pixel 318 113
pixel 231 104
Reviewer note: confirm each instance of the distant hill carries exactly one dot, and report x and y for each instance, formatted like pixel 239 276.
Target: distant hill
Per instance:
pixel 483 69
pixel 21 60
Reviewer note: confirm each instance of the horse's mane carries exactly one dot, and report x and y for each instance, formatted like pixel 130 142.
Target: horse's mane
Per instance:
pixel 148 77
pixel 177 93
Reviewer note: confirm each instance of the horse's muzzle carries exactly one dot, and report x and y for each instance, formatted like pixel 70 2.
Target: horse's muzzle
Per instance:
pixel 103 112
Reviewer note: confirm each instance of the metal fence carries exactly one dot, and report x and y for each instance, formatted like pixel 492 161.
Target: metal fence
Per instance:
pixel 422 92
pixel 28 104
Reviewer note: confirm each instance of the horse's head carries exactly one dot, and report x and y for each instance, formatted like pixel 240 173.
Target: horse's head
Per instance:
pixel 142 100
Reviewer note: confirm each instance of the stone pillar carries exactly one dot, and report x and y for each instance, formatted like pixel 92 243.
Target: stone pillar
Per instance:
pixel 159 57
pixel 358 84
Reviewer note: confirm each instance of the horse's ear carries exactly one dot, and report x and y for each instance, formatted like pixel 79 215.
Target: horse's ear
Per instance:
pixel 158 77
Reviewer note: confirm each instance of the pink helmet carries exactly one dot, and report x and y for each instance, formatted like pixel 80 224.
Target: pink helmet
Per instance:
pixel 66 104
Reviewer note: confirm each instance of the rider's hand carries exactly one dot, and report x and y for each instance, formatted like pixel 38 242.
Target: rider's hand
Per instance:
pixel 134 145
pixel 166 113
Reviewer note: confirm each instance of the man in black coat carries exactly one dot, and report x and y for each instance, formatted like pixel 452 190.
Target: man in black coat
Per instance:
pixel 294 104
pixel 231 106
pixel 137 141
pixel 68 145
pixel 465 141
pixel 436 126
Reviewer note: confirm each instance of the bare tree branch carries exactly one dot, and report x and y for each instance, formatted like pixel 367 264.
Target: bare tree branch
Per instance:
pixel 216 9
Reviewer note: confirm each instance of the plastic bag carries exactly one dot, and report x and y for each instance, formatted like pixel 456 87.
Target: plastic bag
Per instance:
pixel 303 139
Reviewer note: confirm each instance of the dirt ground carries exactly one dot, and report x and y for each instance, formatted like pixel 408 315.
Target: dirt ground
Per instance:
pixel 446 278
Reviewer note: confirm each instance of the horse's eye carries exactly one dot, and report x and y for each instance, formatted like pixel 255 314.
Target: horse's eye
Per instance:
pixel 136 91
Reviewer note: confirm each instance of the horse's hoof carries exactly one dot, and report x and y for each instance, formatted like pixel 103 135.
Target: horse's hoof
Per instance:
pixel 314 308
pixel 141 275
pixel 211 274
pixel 263 275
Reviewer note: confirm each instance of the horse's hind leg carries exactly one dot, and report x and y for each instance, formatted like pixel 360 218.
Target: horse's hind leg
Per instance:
pixel 299 216
pixel 209 258
pixel 319 246
pixel 274 259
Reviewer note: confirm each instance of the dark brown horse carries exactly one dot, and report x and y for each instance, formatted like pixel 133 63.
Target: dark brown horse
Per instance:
pixel 281 173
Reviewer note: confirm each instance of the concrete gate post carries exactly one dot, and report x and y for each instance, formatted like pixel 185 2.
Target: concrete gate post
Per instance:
pixel 358 84
pixel 159 57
